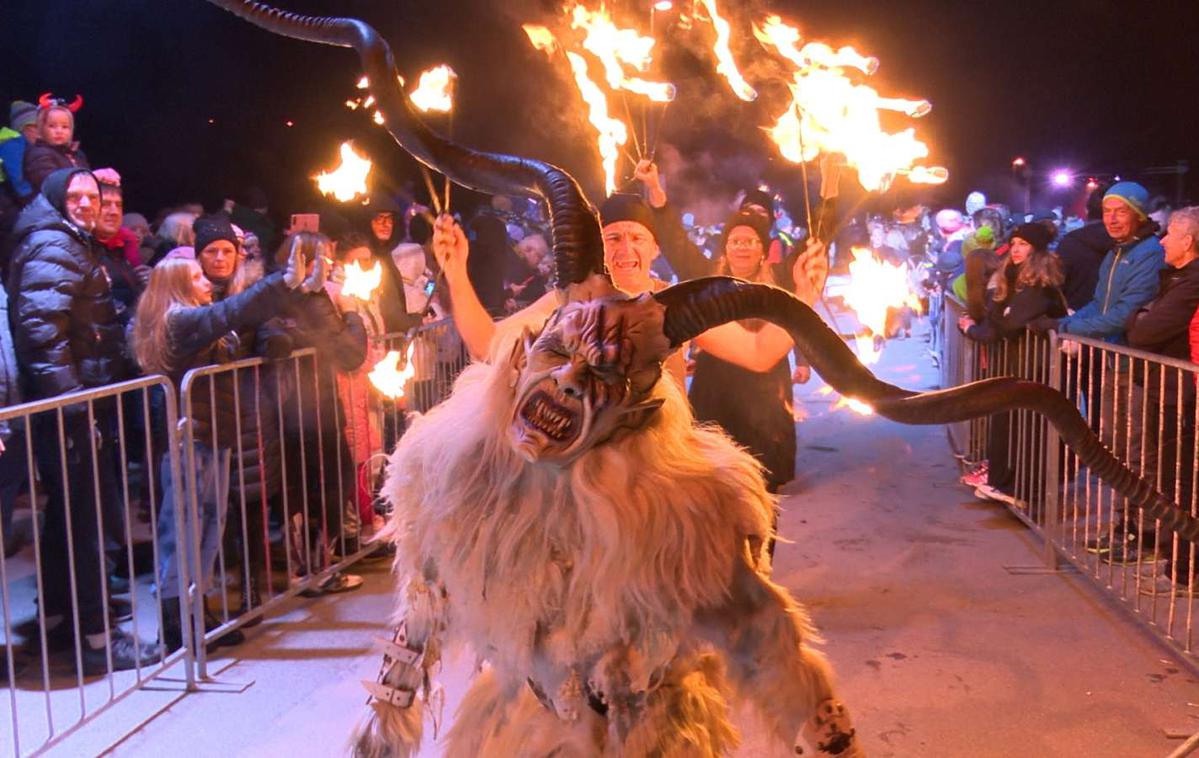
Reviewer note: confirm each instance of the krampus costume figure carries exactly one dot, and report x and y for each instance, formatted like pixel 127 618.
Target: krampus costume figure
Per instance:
pixel 563 515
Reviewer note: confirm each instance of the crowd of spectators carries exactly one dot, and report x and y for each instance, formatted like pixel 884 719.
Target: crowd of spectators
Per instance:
pixel 1127 276
pixel 94 295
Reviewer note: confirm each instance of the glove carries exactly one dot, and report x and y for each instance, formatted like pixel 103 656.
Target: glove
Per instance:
pixel 320 272
pixel 293 274
pixel 1044 324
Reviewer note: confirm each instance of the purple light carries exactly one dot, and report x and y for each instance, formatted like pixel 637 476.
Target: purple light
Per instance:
pixel 1062 178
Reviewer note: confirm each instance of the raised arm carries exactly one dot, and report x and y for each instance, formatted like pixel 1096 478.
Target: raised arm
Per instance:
pixel 683 255
pixel 474 324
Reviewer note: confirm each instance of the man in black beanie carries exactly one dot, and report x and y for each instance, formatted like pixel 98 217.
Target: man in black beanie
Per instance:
pixel 67 338
pixel 630 243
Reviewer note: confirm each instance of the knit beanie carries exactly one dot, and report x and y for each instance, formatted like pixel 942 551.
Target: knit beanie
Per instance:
pixel 1035 234
pixel 1132 194
pixel 627 207
pixel 209 229
pixel 755 221
pixel 21 114
pixel 758 197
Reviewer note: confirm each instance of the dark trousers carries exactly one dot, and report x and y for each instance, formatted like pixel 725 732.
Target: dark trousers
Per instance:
pixel 14 475
pixel 72 533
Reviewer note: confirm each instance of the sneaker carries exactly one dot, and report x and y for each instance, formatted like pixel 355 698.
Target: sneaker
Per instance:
pixel 1122 550
pixel 336 583
pixel 987 492
pixel 976 477
pixel 1161 586
pixel 127 653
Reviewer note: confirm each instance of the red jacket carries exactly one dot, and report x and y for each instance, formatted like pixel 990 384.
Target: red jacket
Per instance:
pixel 1195 337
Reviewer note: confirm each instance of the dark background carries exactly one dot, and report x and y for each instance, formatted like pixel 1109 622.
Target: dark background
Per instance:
pixel 1099 86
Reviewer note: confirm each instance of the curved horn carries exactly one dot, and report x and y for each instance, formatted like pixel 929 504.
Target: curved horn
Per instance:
pixel 578 247
pixel 75 104
pixel 45 100
pixel 694 307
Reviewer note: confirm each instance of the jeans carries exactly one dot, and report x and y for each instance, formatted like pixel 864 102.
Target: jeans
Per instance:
pixel 212 506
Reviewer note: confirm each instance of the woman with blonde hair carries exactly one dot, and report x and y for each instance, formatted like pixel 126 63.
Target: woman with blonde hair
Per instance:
pixel 178 328
pixel 1025 287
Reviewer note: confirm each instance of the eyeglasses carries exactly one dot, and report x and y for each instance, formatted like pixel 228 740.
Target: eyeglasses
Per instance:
pixel 746 243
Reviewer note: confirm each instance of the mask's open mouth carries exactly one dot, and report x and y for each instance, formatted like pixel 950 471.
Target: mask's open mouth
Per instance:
pixel 555 421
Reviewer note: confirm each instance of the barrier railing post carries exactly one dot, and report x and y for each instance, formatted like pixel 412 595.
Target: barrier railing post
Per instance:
pixel 1053 480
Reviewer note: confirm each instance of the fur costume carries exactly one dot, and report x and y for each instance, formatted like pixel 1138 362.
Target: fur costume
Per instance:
pixel 563 515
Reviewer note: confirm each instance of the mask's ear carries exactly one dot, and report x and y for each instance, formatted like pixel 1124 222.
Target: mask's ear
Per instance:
pixel 520 354
pixel 639 415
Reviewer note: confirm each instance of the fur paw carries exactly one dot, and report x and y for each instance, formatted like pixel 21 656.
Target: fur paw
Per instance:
pixel 388 732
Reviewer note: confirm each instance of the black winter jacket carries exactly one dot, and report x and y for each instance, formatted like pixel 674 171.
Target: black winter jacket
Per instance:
pixel 1081 252
pixel 1008 317
pixel 207 335
pixel 61 308
pixel 1162 326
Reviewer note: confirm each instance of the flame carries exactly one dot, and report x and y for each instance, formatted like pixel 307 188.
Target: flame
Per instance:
pixel 377 117
pixel 855 405
pixel 348 180
pixel 831 114
pixel 434 91
pixel 875 286
pixel 612 132
pixel 616 48
pixel 541 37
pixel 725 65
pixel 388 377
pixel 361 283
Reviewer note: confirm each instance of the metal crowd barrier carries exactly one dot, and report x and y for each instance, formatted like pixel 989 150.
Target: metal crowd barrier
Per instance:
pixel 220 509
pixel 87 466
pixel 1143 408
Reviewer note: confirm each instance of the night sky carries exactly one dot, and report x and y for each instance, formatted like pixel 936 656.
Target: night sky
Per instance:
pixel 1099 86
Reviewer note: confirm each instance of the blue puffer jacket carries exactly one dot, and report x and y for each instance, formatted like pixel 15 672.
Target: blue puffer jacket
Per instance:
pixel 1128 278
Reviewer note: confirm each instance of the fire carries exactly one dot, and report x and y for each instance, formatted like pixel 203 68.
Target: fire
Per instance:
pixel 348 180
pixel 388 377
pixel 829 113
pixel 361 283
pixel 613 134
pixel 616 48
pixel 541 37
pixel 874 286
pixel 434 91
pixel 855 405
pixel 725 65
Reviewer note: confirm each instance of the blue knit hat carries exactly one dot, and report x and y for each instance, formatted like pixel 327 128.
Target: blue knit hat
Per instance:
pixel 1131 193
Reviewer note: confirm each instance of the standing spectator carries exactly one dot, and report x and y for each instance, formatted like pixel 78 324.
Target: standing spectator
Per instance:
pixel 314 423
pixel 67 337
pixel 55 147
pixel 1081 252
pixel 527 281
pixel 174 231
pixel 383 212
pixel 1023 288
pixel 13 470
pixel 117 245
pixel 363 409
pixel 179 328
pixel 1128 275
pixel 1161 326
pixel 15 189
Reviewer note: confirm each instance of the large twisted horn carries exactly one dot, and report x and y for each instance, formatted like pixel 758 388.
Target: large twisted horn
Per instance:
pixel 694 307
pixel 578 247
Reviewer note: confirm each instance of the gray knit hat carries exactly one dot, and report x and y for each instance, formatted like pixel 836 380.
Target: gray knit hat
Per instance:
pixel 21 114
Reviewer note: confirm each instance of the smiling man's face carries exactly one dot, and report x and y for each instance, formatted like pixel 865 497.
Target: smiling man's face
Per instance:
pixel 629 251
